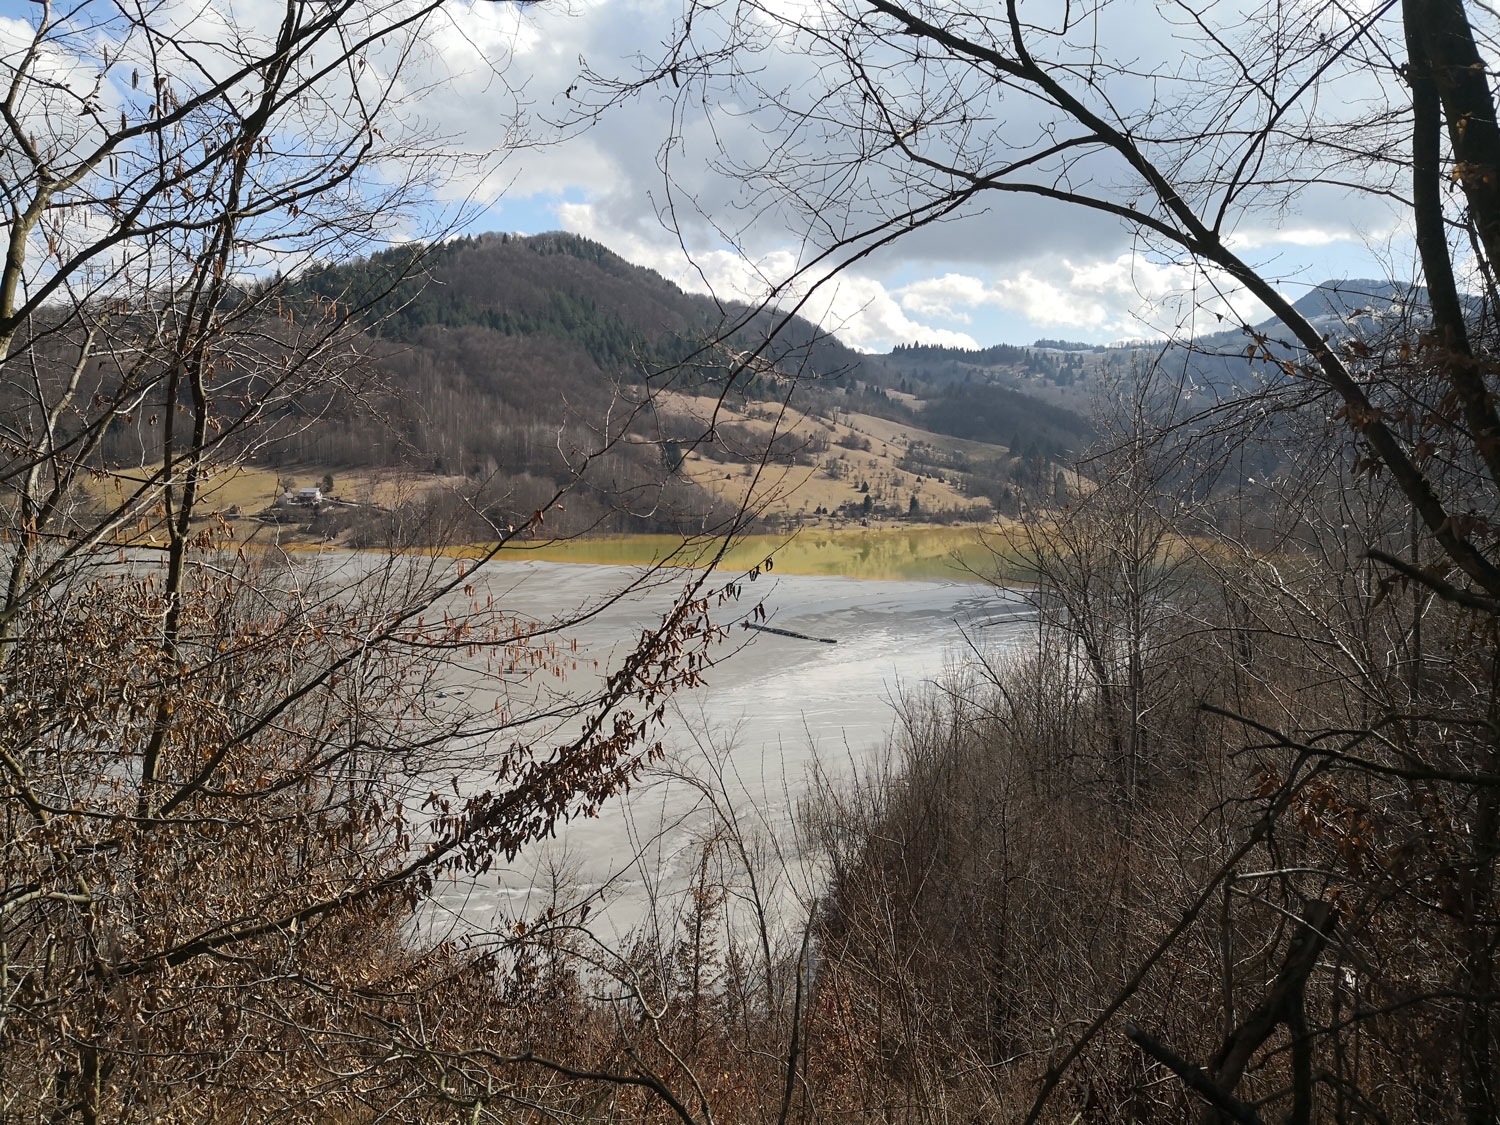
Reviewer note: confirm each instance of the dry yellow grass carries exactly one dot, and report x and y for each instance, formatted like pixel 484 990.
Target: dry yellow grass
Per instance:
pixel 837 474
pixel 239 492
pixel 252 488
pixel 235 494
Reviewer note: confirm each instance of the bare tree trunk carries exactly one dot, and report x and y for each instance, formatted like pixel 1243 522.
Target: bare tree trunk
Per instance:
pixel 1477 986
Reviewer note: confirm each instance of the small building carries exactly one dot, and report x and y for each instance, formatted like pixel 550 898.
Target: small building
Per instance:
pixel 310 495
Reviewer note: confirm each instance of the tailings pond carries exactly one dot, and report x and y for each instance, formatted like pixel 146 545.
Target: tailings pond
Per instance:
pixel 774 707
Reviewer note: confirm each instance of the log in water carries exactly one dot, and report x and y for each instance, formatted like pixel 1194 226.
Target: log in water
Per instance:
pixel 790 633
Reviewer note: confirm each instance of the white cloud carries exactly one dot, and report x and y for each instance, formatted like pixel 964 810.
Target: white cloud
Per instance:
pixel 949 297
pixel 859 310
pixel 1010 267
pixel 1257 238
pixel 1073 298
pixel 864 314
pixel 1130 296
pixel 1124 296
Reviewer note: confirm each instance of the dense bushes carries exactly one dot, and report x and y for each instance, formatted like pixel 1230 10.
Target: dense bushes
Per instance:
pixel 1229 805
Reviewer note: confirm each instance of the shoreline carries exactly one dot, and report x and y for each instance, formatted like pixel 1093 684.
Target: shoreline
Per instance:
pixel 932 553
pixel 968 554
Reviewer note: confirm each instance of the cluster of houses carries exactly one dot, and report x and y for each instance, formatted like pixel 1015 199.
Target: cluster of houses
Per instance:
pixel 303 497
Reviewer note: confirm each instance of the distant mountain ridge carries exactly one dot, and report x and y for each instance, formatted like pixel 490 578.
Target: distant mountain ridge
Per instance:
pixel 1356 297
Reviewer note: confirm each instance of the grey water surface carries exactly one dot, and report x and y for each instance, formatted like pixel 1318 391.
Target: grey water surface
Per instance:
pixel 771 708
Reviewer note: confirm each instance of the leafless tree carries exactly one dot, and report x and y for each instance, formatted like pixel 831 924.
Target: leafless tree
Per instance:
pixel 1369 817
pixel 227 778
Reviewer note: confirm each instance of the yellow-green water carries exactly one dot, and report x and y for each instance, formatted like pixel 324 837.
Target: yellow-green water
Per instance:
pixel 962 553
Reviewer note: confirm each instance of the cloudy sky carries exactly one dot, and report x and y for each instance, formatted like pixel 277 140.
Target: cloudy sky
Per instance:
pixel 1010 271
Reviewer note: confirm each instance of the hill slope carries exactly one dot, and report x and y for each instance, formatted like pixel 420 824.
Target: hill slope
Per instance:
pixel 500 357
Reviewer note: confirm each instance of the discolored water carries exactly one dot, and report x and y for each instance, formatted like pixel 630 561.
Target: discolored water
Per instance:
pixel 772 706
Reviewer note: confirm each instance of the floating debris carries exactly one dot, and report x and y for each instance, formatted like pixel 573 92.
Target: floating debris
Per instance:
pixel 790 633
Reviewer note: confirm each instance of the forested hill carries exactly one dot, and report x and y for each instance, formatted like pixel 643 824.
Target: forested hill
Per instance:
pixel 498 353
pixel 556 285
pixel 490 335
pixel 566 288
